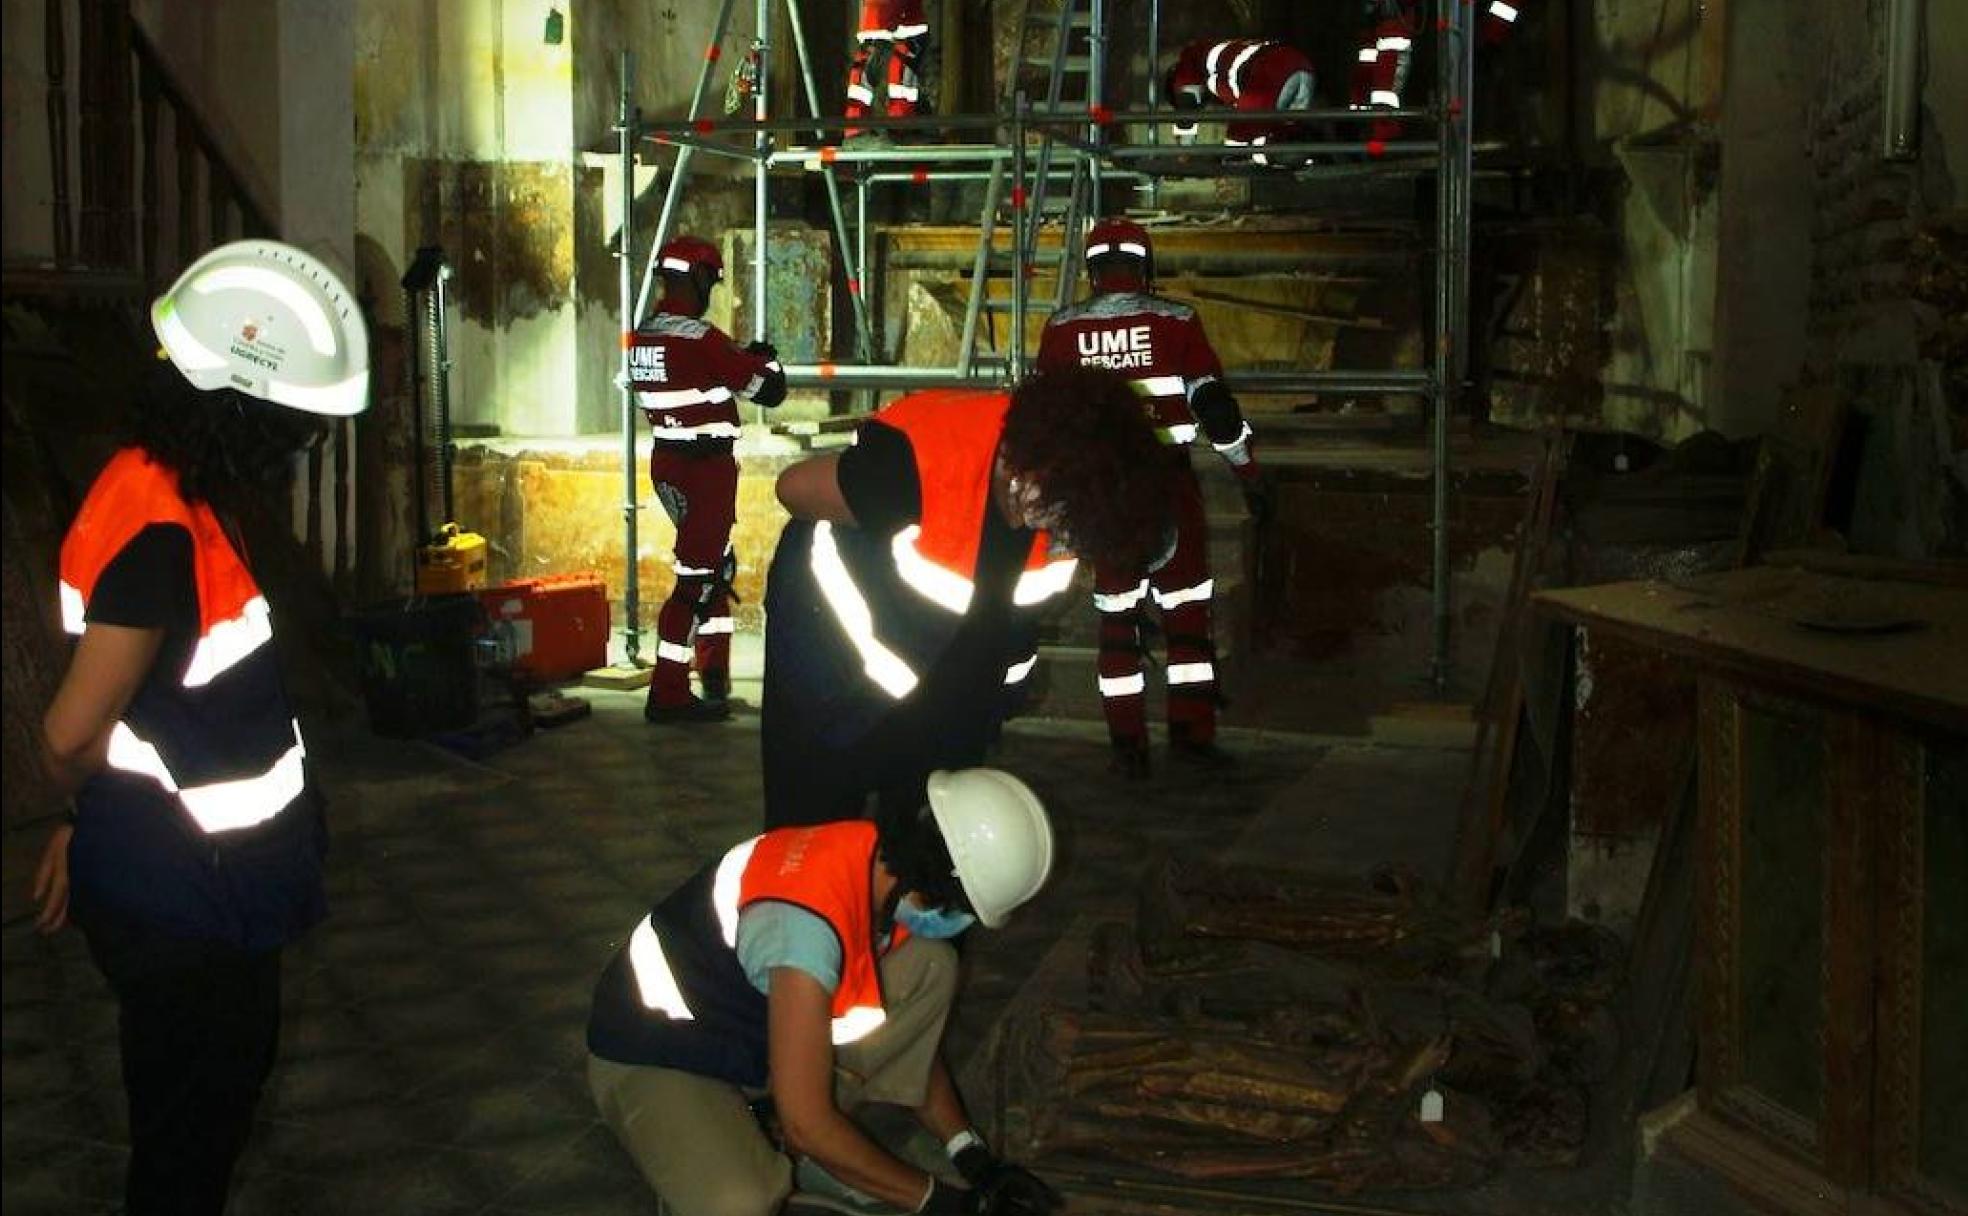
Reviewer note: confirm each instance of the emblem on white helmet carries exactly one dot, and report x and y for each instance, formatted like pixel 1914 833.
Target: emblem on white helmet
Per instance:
pixel 271 321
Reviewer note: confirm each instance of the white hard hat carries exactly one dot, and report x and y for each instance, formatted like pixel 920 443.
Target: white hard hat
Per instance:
pixel 998 835
pixel 271 321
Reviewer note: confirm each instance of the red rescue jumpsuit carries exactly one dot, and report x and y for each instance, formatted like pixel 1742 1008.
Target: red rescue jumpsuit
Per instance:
pixel 896 27
pixel 688 374
pixel 1160 347
pixel 1380 70
pixel 1248 74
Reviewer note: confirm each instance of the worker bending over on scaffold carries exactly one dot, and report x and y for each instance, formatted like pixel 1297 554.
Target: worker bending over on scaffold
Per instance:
pixel 1159 346
pixel 812 966
pixel 688 375
pixel 888 45
pixel 1246 74
pixel 904 599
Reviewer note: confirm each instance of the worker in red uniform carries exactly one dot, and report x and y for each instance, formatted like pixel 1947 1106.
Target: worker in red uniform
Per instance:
pixel 903 604
pixel 1386 55
pixel 1247 74
pixel 687 375
pixel 888 43
pixel 813 965
pixel 1160 347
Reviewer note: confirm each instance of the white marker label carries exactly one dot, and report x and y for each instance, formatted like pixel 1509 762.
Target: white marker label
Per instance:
pixel 1431 1106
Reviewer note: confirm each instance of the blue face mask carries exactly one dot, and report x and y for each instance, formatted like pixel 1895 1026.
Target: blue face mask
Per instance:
pixel 932 923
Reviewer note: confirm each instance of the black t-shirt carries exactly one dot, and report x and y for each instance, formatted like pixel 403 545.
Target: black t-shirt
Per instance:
pixel 149 585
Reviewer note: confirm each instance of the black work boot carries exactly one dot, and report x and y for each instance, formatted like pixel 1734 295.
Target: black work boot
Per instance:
pixel 693 710
pixel 717 685
pixel 1203 754
pixel 1129 759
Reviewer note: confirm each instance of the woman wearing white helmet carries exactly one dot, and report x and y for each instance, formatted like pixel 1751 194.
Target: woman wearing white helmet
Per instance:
pixel 811 964
pixel 194 850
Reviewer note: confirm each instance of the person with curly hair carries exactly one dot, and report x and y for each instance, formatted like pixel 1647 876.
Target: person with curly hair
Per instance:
pixel 194 851
pixel 904 598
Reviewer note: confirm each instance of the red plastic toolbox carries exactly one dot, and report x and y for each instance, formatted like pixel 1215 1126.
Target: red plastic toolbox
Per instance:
pixel 559 623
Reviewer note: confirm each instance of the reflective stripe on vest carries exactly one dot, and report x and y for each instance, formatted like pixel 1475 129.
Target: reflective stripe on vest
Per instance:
pixel 953 592
pixel 850 609
pixel 656 982
pixel 223 647
pixel 218 806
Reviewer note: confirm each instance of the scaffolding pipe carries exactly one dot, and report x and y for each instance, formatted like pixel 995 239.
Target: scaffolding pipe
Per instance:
pixel 1096 69
pixel 856 282
pixel 625 117
pixel 1021 257
pixel 855 376
pixel 955 154
pixel 973 175
pixel 1168 261
pixel 1454 58
pixel 1405 147
pixel 980 267
pixel 761 177
pixel 1154 89
pixel 673 193
pixel 1067 117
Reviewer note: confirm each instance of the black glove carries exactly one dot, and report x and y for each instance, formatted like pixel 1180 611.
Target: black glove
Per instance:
pixel 999 1188
pixel 762 347
pixel 945 1200
pixel 1258 499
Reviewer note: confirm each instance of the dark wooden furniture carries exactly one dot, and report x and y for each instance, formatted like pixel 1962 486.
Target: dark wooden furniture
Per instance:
pixel 1831 878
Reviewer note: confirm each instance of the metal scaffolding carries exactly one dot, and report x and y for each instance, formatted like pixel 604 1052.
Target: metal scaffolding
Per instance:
pixel 1072 144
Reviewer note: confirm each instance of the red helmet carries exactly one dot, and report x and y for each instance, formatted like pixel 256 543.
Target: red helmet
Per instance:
pixel 1116 236
pixel 688 253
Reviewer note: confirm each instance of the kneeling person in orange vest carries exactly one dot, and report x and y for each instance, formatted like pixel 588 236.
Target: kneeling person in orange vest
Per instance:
pixel 812 964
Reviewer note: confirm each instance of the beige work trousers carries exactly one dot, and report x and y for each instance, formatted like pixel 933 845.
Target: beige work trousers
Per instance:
pixel 694 1138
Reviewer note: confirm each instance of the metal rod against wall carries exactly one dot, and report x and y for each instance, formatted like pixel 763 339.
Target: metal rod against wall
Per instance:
pixel 625 120
pixel 673 193
pixel 1902 103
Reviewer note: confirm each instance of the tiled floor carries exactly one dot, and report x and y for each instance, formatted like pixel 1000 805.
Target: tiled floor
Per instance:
pixel 432 1050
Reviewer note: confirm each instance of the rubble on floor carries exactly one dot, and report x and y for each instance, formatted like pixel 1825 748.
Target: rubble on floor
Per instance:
pixel 1254 1025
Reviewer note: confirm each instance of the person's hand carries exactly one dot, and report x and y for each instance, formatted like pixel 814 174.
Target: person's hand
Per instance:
pixel 762 347
pixel 51 881
pixel 944 1200
pixel 1000 1188
pixel 1259 500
